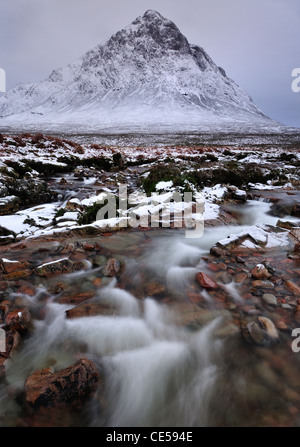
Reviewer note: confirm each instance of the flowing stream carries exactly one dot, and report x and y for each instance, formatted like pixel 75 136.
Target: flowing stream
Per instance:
pixel 159 372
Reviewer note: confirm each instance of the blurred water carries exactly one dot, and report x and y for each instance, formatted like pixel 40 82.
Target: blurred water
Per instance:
pixel 157 372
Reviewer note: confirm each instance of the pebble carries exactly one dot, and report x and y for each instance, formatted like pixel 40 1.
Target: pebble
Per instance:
pixel 260 272
pixel 270 299
pixel 263 284
pixel 206 281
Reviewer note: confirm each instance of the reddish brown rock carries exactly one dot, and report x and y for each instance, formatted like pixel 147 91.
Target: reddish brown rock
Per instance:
pixel 195 298
pixel 26 288
pixel 3 285
pixel 222 266
pixel 68 387
pixel 154 288
pixel 293 288
pixel 295 235
pixel 262 284
pixel 260 272
pixel 91 309
pixel 88 247
pixel 97 282
pixel 9 266
pixel 19 319
pixel 240 277
pixel 76 298
pixel 19 274
pixel 214 267
pixel 112 267
pixel 206 281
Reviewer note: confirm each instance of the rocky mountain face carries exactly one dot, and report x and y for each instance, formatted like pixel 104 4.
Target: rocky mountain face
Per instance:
pixel 146 73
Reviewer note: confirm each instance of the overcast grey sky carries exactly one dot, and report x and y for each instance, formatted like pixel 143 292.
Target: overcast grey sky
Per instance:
pixel 256 41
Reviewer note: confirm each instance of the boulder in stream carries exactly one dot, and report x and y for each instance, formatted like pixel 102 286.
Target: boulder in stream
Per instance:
pixel 68 387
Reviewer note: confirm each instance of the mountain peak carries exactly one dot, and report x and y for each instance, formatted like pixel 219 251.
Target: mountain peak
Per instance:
pixel 151 14
pixel 146 72
pixel 161 31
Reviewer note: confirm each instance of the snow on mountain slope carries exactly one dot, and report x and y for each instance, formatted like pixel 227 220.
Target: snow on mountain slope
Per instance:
pixel 148 73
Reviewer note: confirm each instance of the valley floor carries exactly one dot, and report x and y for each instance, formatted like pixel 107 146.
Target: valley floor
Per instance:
pixel 141 282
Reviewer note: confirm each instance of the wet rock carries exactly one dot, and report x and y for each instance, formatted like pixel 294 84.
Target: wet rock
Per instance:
pixel 99 260
pixel 286 306
pixel 253 240
pixel 25 288
pixel 193 316
pixel 262 284
pixel 195 297
pixel 262 333
pixel 269 327
pixel 76 298
pixel 112 267
pixel 294 234
pixel 260 272
pixel 80 265
pixel 222 266
pixel 154 288
pixel 240 277
pixel 282 209
pixel 68 387
pixel 292 287
pixel 218 251
pixel 224 277
pixel 20 274
pixel 270 299
pixel 213 266
pixel 91 309
pixel 55 267
pixel 88 247
pixel 286 224
pixel 9 266
pixel 19 319
pixel 206 281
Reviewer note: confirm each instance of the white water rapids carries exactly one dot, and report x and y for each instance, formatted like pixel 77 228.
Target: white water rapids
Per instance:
pixel 157 372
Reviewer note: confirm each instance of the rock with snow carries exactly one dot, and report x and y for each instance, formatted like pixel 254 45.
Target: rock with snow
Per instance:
pixel 9 266
pixel 55 267
pixel 260 272
pixel 240 195
pixel 255 239
pixel 19 319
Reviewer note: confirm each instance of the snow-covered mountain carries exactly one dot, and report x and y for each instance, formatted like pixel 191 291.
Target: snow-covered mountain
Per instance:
pixel 146 74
